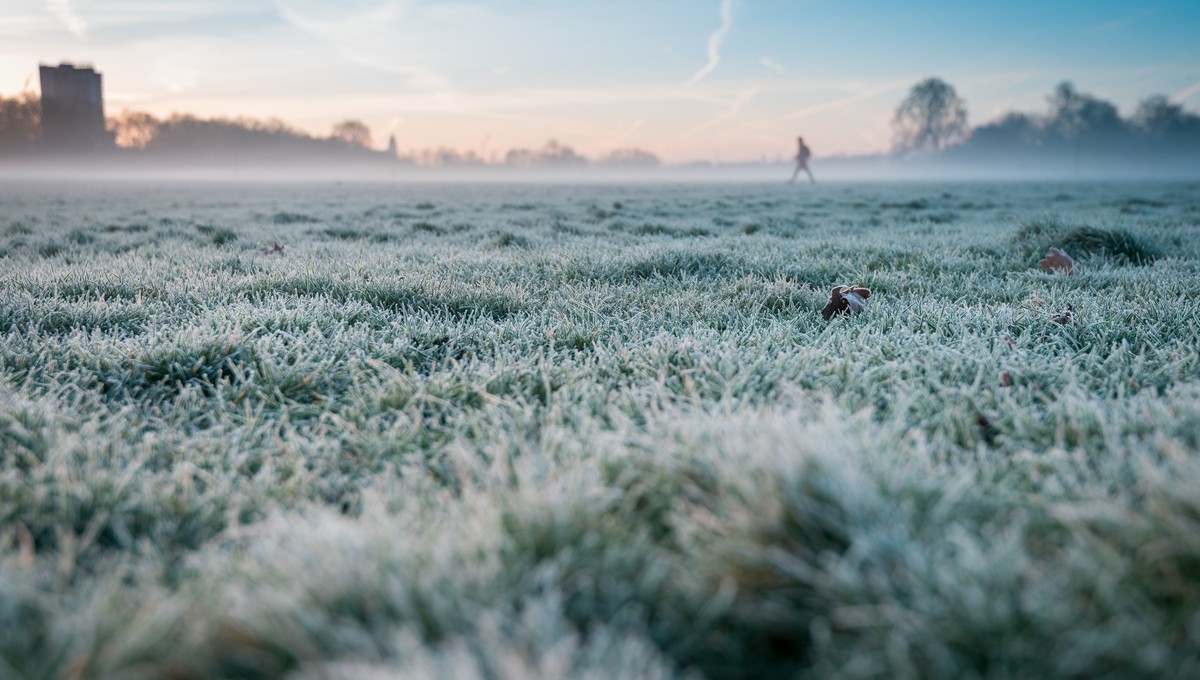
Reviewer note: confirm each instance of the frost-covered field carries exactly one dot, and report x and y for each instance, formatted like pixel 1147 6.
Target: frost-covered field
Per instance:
pixel 520 432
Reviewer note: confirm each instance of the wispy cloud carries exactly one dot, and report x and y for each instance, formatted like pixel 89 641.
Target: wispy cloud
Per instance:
pixel 714 43
pixel 365 35
pixel 775 66
pixel 68 16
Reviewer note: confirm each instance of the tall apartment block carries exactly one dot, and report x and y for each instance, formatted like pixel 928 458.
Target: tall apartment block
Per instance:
pixel 73 109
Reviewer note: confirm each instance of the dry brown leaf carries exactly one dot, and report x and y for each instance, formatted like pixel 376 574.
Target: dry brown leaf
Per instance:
pixel 845 300
pixel 1057 261
pixel 1064 317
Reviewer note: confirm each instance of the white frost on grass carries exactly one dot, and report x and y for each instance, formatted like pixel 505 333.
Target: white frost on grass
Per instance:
pixel 597 431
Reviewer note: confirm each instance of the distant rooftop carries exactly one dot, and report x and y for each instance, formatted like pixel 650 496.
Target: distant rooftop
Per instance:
pixel 83 66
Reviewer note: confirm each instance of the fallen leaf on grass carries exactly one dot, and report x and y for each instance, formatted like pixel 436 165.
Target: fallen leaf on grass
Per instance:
pixel 275 248
pixel 1057 261
pixel 985 428
pixel 845 300
pixel 1064 317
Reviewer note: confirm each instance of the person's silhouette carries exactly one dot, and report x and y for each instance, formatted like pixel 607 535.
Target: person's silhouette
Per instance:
pixel 802 155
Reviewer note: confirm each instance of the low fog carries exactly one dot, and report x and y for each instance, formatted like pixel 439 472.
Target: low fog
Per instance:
pixel 1078 136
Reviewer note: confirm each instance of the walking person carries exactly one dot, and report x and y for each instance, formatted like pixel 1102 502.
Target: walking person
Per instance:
pixel 802 155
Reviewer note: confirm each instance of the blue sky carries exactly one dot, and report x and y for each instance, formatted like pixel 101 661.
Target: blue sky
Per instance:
pixel 690 80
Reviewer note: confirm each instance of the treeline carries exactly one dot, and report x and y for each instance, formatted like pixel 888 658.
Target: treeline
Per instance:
pixel 932 121
pixel 20 123
pixel 184 137
pixel 188 136
pixel 1077 122
pixel 552 154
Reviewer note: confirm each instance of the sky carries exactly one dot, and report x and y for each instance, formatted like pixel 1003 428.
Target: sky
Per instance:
pixel 690 80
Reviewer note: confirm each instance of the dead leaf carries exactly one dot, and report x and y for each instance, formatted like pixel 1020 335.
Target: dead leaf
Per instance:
pixel 1006 379
pixel 1065 317
pixel 985 428
pixel 275 248
pixel 1057 261
pixel 845 299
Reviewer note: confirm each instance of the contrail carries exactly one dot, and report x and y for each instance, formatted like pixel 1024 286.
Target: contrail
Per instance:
pixel 1186 93
pixel 714 43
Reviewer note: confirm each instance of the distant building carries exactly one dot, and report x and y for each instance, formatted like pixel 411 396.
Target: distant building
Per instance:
pixel 73 109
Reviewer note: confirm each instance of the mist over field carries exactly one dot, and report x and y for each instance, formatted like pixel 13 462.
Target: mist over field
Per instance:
pixel 356 430
pixel 1063 167
pixel 1079 137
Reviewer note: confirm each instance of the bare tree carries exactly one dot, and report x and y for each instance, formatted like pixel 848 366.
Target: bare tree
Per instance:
pixel 551 154
pixel 1074 114
pixel 631 157
pixel 1159 117
pixel 931 118
pixel 20 122
pixel 352 133
pixel 134 129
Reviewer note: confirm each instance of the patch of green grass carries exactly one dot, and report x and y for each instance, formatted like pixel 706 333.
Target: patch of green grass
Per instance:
pixel 568 437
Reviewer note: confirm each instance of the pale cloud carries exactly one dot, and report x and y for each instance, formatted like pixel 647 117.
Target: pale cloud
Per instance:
pixel 114 13
pixel 65 12
pixel 25 21
pixel 714 43
pixel 364 33
pixel 339 21
pixel 775 66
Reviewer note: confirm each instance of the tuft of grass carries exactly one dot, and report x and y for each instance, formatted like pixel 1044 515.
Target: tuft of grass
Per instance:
pixel 284 217
pixel 80 237
pixel 343 233
pixel 506 239
pixel 1118 245
pixel 223 236
pixel 429 228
